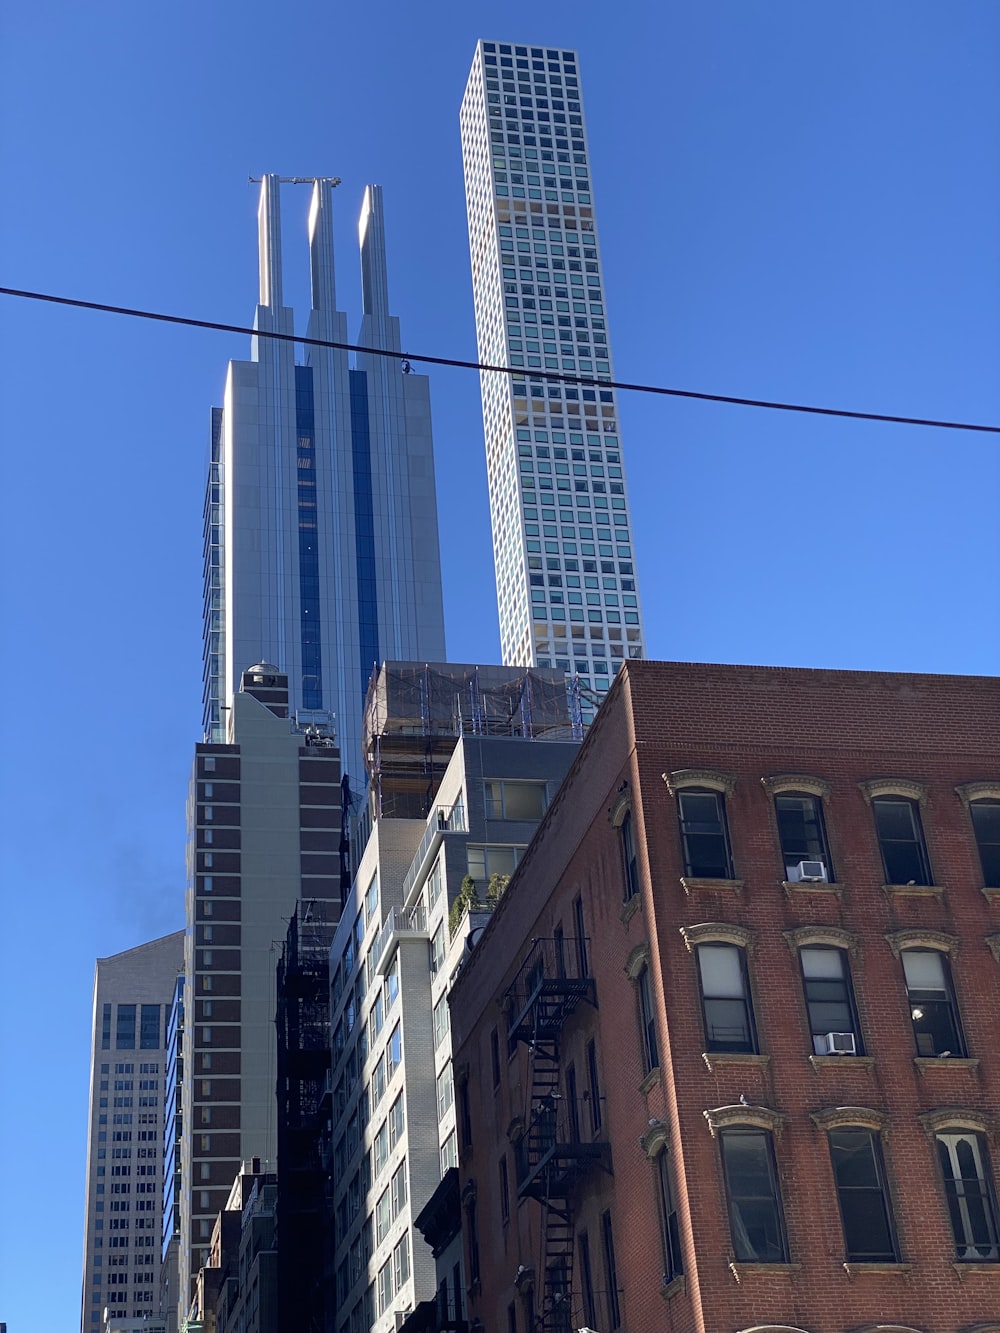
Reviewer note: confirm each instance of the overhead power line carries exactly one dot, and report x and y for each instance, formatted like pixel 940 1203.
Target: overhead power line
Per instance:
pixel 550 376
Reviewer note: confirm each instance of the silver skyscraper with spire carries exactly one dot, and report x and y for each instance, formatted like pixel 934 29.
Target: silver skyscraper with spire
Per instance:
pixel 321 516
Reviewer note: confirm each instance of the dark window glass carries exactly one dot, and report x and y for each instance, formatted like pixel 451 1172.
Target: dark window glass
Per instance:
pixel 901 840
pixel 752 1190
pixel 573 1106
pixel 725 998
pixel 593 1087
pixel 610 1271
pixel 861 1191
pixel 650 1055
pixel 631 871
pixel 125 1028
pixel 586 1279
pixel 106 1028
pixel 936 1026
pixel 504 1190
pixel 801 832
pixel 704 834
pixel 968 1186
pixel 669 1228
pixel 465 1114
pixel 472 1230
pixel 829 998
pixel 986 825
pixel 149 1027
pixel 581 937
pixel 495 1057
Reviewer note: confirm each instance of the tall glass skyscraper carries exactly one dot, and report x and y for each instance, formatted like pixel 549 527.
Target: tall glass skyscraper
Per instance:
pixel 562 537
pixel 321 533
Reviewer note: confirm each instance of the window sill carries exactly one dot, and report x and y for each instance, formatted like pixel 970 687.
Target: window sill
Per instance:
pixel 865 1062
pixel 674 1287
pixel 713 1058
pixel 629 908
pixel 913 890
pixel 693 884
pixel 976 1267
pixel 811 886
pixel 650 1081
pixel 992 895
pixel 856 1270
pixel 926 1063
pixel 743 1270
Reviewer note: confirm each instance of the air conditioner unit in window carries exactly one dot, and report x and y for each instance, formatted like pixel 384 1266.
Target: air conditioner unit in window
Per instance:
pixel 811 872
pixel 840 1043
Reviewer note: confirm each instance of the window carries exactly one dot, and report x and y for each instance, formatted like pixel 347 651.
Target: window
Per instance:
pixel 801 832
pixel 901 840
pixel 125 1028
pixel 647 1023
pixel 669 1227
pixel 593 1087
pixel 437 949
pixel 829 997
pixel 755 1219
pixel 610 1270
pixel 936 1027
pixel 704 834
pixel 986 826
pixel 394 1052
pixel 725 999
pixel 401 1261
pixel 106 1028
pixel 580 926
pixel 472 1232
pixel 445 1090
pixel 495 1057
pixel 515 800
pixel 586 1279
pixel 392 980
pixel 149 1027
pixel 441 1021
pixel 968 1188
pixel 631 871
pixel 865 1212
pixel 504 1190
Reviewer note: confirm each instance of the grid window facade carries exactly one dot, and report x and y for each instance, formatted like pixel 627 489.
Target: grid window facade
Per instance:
pixel 565 570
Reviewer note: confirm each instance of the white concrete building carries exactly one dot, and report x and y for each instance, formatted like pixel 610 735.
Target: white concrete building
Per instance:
pixel 562 539
pixel 395 1131
pixel 133 991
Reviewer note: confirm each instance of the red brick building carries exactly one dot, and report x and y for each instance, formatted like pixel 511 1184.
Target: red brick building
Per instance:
pixel 727 1053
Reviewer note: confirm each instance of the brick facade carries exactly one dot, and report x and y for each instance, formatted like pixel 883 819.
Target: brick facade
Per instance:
pixel 778 1257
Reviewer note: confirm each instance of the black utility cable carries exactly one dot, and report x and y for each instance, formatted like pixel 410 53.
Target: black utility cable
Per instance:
pixel 533 374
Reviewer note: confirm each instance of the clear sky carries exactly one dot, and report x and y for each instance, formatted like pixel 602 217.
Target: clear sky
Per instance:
pixel 795 201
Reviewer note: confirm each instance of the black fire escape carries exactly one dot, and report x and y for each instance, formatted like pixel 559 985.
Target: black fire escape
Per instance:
pixel 303 1087
pixel 553 1156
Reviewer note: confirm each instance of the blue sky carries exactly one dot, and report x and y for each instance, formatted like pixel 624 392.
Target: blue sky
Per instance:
pixel 795 201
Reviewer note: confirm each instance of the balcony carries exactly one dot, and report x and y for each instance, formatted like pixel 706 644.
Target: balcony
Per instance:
pixel 549 986
pixel 445 819
pixel 555 1153
pixel 401 923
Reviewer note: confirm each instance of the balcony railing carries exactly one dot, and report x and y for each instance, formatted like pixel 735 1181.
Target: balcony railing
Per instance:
pixel 401 921
pixel 558 1147
pixel 445 819
pixel 551 982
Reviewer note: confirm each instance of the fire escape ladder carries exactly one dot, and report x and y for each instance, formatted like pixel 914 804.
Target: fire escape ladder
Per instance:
pixel 557 1276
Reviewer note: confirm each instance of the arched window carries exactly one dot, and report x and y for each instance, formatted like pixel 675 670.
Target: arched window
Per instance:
pixel 985 816
pixel 968 1187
